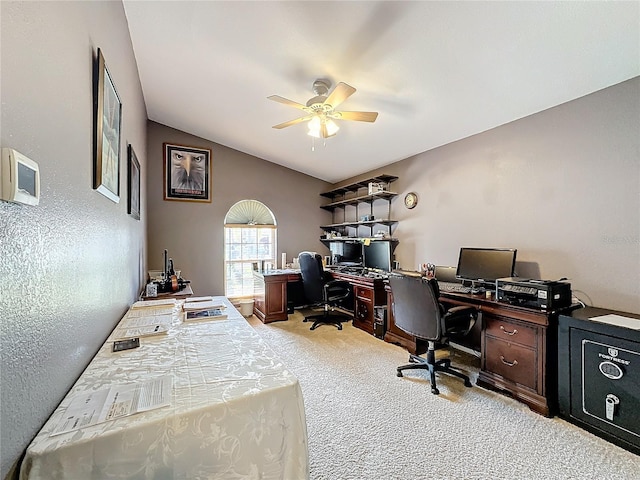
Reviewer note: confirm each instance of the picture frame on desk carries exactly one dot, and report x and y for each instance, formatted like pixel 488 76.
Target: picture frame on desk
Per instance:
pixel 187 173
pixel 107 123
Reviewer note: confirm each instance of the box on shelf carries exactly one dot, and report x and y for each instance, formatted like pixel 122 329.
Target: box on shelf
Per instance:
pixel 376 187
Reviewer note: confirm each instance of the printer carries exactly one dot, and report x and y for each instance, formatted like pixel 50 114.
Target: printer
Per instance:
pixel 525 292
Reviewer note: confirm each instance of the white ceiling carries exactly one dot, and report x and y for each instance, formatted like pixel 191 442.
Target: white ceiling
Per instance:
pixel 435 71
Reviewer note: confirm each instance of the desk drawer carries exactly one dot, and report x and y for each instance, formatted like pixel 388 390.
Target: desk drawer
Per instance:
pixel 364 293
pixel 510 332
pixel 513 362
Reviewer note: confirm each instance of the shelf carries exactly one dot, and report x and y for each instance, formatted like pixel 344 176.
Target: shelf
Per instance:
pixel 386 195
pixel 358 239
pixel 354 187
pixel 358 193
pixel 358 224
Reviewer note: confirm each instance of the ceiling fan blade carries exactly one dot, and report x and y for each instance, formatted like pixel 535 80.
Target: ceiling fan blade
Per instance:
pixel 293 122
pixel 279 99
pixel 339 94
pixel 357 116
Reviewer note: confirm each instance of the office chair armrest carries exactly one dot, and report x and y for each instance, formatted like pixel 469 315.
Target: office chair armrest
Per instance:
pixel 462 309
pixel 337 290
pixel 460 320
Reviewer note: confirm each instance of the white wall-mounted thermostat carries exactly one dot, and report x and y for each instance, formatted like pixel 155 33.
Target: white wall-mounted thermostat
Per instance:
pixel 19 178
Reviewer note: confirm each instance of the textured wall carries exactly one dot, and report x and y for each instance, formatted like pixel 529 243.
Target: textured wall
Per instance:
pixel 193 232
pixel 70 266
pixel 561 186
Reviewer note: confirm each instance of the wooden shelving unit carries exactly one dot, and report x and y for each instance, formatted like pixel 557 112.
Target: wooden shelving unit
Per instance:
pixel 357 195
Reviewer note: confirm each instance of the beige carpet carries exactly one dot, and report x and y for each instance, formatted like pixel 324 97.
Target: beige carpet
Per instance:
pixel 365 423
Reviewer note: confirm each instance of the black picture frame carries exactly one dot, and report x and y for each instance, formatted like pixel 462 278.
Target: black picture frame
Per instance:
pixel 108 120
pixel 133 184
pixel 187 173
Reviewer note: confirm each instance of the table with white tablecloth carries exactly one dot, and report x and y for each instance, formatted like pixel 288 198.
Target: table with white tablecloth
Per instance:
pixel 236 411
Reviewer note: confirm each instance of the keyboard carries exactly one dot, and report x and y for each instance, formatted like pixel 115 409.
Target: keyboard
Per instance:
pixel 453 287
pixel 350 270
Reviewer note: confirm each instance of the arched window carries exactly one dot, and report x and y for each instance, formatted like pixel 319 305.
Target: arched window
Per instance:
pixel 250 235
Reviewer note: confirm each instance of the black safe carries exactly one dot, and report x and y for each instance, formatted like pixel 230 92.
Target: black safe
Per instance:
pixel 599 374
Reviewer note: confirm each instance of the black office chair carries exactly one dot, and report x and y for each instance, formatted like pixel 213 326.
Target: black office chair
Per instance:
pixel 418 312
pixel 320 289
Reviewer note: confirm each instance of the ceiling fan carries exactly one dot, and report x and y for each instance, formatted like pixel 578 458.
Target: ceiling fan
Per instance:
pixel 321 109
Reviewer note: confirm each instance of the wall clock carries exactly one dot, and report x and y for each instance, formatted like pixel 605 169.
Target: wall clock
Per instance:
pixel 410 200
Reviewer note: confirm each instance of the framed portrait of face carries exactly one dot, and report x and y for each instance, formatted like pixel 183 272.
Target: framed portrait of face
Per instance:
pixel 108 117
pixel 187 173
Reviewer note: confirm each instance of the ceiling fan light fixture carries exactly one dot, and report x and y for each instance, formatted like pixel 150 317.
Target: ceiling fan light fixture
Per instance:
pixel 332 127
pixel 322 127
pixel 314 127
pixel 314 133
pixel 322 109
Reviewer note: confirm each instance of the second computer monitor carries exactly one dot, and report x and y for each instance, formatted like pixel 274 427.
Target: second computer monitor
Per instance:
pixel 347 253
pixel 377 255
pixel 485 265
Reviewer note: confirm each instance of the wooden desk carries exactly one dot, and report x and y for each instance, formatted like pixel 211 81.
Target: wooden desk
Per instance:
pixel 270 294
pixel 518 350
pixel 272 291
pixel 368 293
pixel 517 345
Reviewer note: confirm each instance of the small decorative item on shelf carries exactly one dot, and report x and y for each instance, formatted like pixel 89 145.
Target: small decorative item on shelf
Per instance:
pixel 151 290
pixel 366 218
pixel 376 187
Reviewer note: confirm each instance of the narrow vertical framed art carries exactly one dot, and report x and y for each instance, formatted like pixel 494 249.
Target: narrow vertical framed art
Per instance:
pixel 133 184
pixel 108 119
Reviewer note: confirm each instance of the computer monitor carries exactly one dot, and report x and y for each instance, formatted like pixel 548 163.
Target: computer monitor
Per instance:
pixel 485 265
pixel 347 253
pixel 377 255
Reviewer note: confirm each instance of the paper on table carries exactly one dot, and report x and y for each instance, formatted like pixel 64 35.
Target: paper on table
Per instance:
pixel 619 320
pixel 150 311
pixel 131 322
pixel 91 408
pixel 146 331
pixel 154 303
pixel 198 299
pixel 202 306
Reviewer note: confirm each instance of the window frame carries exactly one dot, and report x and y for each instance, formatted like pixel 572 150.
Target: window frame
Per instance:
pixel 227 262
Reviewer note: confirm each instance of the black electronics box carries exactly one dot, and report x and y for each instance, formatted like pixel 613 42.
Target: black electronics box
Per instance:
pixel 542 294
pixel 599 374
pixel 379 322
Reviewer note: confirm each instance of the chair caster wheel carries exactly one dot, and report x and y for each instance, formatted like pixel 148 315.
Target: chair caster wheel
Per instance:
pixel 398 374
pixel 435 391
pixel 467 384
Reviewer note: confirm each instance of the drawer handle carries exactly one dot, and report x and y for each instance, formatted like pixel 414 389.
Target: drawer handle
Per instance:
pixel 515 330
pixel 512 364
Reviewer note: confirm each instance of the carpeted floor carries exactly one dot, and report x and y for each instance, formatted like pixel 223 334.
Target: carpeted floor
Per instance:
pixel 365 423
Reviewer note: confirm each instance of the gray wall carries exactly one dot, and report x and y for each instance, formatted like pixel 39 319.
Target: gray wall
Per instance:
pixel 70 266
pixel 193 232
pixel 561 186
